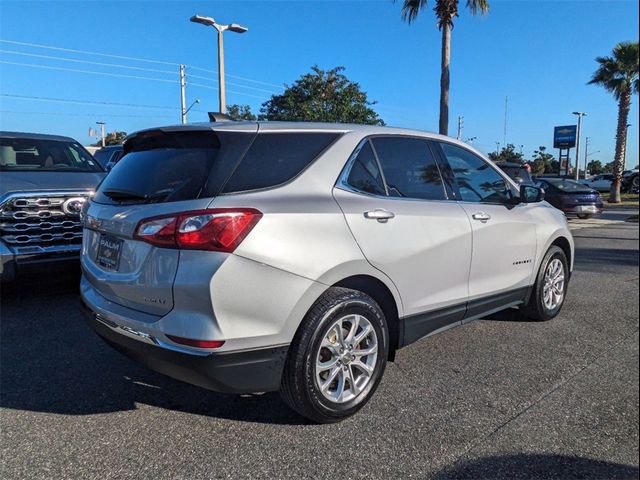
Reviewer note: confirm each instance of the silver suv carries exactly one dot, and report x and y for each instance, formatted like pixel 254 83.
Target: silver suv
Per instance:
pixel 250 257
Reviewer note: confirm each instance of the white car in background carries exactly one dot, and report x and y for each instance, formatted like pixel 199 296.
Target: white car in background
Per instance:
pixel 601 183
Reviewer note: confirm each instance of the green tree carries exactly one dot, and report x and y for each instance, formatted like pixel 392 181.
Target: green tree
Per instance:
pixel 542 161
pixel 595 167
pixel 508 154
pixel 322 96
pixel 113 138
pixel 446 11
pixel 618 74
pixel 609 167
pixel 241 112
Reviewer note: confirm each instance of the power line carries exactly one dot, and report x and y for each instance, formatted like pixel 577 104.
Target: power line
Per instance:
pixel 91 72
pixel 208 70
pixel 190 75
pixel 109 55
pixel 75 60
pixel 84 102
pixel 124 57
pixel 209 87
pixel 20 112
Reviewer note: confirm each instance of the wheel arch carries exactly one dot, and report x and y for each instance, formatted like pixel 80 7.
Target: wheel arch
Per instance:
pixel 564 244
pixel 381 293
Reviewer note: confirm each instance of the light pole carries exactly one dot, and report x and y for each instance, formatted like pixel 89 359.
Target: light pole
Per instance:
pixel 186 110
pixel 580 115
pixel 234 27
pixel 470 140
pixel 101 132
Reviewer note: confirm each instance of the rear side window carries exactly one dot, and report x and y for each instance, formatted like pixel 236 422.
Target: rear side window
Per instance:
pixel 276 158
pixel 409 168
pixel 172 166
pixel 364 175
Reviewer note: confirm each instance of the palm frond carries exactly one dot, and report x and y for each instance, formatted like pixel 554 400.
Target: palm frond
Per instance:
pixel 411 9
pixel 478 6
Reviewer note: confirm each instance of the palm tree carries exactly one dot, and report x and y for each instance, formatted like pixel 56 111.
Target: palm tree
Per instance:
pixel 445 10
pixel 618 74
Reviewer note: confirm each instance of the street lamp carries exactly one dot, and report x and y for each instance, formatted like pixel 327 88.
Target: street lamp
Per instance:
pixel 580 115
pixel 191 106
pixel 234 27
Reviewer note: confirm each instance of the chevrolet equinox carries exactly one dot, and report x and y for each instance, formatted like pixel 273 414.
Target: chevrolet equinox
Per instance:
pixel 251 257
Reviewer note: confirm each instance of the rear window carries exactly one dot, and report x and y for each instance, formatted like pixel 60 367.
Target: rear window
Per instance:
pixel 161 166
pixel 570 186
pixel 173 166
pixel 276 158
pixel 30 155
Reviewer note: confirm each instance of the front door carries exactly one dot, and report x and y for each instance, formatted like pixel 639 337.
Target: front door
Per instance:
pixel 504 234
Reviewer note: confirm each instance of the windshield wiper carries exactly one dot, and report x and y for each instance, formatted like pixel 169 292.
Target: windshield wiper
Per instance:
pixel 123 195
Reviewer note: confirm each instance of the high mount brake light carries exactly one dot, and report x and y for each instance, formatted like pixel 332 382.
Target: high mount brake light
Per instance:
pixel 217 229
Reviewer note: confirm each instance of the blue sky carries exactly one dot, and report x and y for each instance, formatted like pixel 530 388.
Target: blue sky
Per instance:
pixel 538 53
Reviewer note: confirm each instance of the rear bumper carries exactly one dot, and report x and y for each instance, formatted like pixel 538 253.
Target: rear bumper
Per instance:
pixel 248 371
pixel 583 209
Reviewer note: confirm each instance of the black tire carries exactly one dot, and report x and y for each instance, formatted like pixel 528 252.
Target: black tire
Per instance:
pixel 536 309
pixel 584 216
pixel 299 388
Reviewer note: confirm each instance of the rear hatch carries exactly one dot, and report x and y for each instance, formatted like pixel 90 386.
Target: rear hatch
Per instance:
pixel 164 171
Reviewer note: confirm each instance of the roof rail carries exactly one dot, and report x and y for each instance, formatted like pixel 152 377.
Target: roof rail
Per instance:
pixel 219 117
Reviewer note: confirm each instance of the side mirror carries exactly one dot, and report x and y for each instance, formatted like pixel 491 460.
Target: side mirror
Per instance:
pixel 531 194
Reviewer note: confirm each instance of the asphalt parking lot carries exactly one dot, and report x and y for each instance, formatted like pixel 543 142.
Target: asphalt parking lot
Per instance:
pixel 498 398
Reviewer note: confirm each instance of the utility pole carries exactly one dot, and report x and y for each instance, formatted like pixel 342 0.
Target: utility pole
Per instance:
pixel 183 97
pixel 460 125
pixel 586 155
pixel 102 132
pixel 580 115
pixel 506 106
pixel 497 148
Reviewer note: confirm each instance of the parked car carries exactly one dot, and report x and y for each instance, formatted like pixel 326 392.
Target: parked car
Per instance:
pixel 631 182
pixel 571 197
pixel 601 183
pixel 45 181
pixel 518 172
pixel 108 156
pixel 246 257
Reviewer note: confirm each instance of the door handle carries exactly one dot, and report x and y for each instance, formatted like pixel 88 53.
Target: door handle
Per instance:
pixel 379 214
pixel 483 217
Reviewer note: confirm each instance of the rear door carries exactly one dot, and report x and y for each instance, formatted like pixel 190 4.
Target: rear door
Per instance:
pixel 504 235
pixel 406 227
pixel 164 172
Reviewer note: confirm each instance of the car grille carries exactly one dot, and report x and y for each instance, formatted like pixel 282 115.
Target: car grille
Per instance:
pixel 41 222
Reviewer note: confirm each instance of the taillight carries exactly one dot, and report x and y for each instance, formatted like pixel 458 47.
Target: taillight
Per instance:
pixel 220 229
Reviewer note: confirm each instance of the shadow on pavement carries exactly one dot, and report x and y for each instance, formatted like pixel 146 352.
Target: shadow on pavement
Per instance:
pixel 51 361
pixel 534 467
pixel 587 258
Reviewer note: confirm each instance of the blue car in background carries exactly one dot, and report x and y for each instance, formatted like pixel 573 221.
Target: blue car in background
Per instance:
pixel 571 197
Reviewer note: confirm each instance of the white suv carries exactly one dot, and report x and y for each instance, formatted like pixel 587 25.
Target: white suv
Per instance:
pixel 247 257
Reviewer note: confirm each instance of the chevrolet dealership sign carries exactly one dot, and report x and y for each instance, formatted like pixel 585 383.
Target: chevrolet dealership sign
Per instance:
pixel 564 137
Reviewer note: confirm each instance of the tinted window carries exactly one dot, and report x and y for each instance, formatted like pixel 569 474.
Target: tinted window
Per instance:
pixel 103 156
pixel 364 174
pixel 570 186
pixel 409 168
pixel 275 158
pixel 476 180
pixel 24 154
pixel 173 166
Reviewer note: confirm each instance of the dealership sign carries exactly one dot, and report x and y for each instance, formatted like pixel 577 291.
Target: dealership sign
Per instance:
pixel 564 137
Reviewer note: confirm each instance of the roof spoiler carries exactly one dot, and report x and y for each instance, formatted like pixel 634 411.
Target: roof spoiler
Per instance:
pixel 219 117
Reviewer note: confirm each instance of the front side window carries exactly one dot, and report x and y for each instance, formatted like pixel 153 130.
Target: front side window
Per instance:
pixel 364 175
pixel 24 154
pixel 476 180
pixel 409 168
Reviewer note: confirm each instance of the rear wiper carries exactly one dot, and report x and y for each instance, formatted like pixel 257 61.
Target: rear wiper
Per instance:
pixel 122 195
